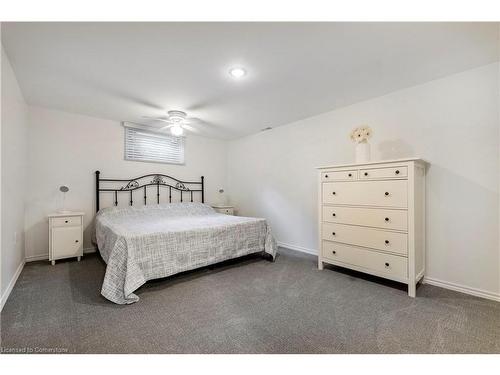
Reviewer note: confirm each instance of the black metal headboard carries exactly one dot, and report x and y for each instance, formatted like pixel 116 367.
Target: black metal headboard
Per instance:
pixel 157 179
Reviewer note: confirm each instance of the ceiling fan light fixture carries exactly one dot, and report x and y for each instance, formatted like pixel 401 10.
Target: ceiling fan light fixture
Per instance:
pixel 176 116
pixel 176 119
pixel 177 130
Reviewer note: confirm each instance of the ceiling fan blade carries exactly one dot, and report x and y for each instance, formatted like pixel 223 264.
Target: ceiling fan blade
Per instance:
pixel 157 119
pixel 186 122
pixel 166 127
pixel 190 128
pixel 194 120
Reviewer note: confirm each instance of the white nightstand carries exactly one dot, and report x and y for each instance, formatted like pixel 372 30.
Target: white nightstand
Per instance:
pixel 223 209
pixel 65 235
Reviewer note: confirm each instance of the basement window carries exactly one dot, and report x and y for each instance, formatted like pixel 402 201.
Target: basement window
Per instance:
pixel 151 146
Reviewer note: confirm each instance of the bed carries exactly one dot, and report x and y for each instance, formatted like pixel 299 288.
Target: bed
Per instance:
pixel 162 239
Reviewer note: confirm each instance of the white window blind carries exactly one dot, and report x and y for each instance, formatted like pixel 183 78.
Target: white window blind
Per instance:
pixel 143 145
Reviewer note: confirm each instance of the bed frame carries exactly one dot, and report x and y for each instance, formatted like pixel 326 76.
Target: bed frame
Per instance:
pixel 161 181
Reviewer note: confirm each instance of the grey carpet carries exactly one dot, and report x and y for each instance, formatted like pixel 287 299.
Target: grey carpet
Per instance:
pixel 246 306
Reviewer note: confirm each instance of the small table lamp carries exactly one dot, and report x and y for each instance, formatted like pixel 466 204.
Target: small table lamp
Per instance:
pixel 63 189
pixel 222 199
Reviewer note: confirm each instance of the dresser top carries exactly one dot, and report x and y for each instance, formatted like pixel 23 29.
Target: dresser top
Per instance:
pixel 422 161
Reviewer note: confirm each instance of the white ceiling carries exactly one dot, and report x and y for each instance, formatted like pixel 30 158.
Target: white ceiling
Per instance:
pixel 123 71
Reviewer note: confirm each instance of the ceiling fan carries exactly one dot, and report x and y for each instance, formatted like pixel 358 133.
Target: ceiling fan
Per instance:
pixel 177 122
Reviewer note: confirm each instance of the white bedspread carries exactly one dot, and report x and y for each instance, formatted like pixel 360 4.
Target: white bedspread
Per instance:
pixel 150 242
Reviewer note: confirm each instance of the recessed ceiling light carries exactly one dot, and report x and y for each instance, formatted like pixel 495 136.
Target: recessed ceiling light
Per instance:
pixel 237 72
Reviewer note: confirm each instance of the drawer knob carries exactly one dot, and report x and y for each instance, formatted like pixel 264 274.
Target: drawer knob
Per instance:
pixel 66 221
pixel 386 219
pixel 333 192
pixel 334 252
pixel 387 264
pixel 334 215
pixel 386 193
pixel 397 171
pixel 350 174
pixel 333 233
pixel 76 241
pixel 387 242
pixel 366 173
pixel 326 176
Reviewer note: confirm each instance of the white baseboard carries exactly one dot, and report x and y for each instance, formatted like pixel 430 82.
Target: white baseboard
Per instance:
pixel 298 248
pixel 420 276
pixel 426 280
pixel 462 288
pixel 6 294
pixel 34 258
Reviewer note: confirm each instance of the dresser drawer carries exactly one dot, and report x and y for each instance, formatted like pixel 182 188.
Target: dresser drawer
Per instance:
pixel 67 221
pixel 383 173
pixel 339 176
pixel 386 264
pixel 367 237
pixel 367 193
pixel 370 217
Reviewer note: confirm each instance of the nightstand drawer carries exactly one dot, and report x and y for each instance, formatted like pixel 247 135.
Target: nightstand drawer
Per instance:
pixel 67 221
pixel 226 211
pixel 66 242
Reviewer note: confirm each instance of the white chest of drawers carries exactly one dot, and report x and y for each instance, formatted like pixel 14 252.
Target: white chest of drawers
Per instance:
pixel 372 218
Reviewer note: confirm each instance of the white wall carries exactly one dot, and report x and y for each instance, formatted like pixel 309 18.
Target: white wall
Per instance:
pixel 13 159
pixel 451 122
pixel 66 149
